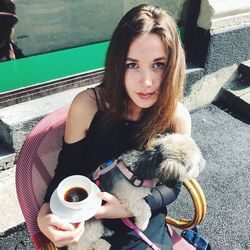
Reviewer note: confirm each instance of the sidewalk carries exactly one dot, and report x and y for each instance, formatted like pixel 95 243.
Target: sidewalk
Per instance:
pixel 224 141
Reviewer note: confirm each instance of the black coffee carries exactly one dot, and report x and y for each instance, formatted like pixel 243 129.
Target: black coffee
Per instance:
pixel 75 194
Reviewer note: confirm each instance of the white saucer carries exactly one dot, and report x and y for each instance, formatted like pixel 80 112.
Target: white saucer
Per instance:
pixel 74 215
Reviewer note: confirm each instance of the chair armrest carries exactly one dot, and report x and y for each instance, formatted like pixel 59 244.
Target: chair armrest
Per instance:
pixel 49 246
pixel 200 207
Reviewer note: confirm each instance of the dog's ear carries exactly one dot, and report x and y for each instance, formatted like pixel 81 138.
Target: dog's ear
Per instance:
pixel 147 163
pixel 170 171
pixel 158 153
pixel 153 156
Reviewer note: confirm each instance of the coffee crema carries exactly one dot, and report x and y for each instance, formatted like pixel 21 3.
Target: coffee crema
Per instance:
pixel 75 194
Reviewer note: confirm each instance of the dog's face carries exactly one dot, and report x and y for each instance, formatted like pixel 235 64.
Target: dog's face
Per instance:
pixel 181 158
pixel 170 158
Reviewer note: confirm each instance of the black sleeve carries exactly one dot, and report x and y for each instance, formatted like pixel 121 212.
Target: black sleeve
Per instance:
pixel 161 196
pixel 70 161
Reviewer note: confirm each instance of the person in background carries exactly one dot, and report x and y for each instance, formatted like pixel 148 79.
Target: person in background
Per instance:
pixel 138 99
pixel 8 19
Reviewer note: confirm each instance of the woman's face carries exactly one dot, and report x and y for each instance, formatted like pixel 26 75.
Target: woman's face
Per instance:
pixel 144 70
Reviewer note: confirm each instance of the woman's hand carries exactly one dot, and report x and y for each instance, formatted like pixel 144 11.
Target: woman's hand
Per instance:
pixel 112 209
pixel 59 231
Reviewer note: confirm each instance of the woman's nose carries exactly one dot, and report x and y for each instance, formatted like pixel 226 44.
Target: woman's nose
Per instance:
pixel 147 79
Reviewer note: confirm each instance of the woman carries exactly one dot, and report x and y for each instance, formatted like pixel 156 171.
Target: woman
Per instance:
pixel 139 98
pixel 8 18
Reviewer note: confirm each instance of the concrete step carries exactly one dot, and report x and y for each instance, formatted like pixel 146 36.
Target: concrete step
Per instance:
pixel 9 205
pixel 16 121
pixel 7 158
pixel 244 70
pixel 236 97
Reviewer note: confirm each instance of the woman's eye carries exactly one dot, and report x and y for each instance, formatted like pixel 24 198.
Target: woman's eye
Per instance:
pixel 159 65
pixel 132 66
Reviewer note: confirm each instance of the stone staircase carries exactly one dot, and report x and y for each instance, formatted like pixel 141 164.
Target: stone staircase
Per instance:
pixel 235 96
pixel 7 158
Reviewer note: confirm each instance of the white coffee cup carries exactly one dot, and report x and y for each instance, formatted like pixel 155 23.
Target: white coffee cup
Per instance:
pixel 76 192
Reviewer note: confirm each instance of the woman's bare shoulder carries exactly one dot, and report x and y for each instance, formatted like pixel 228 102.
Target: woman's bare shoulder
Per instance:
pixel 81 113
pixel 182 120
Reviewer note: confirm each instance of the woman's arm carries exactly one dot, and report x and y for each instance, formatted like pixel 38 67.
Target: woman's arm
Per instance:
pixel 161 196
pixel 182 120
pixel 80 115
pixel 71 157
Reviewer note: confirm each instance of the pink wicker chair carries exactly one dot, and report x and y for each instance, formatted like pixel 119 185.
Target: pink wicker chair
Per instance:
pixel 35 167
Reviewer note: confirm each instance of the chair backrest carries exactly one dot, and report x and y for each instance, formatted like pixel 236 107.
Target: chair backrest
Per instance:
pixel 35 168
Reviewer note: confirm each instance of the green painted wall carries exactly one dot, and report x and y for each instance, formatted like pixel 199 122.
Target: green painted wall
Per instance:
pixel 37 69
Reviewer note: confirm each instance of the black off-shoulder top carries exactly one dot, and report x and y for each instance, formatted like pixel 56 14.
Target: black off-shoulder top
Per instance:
pixel 101 145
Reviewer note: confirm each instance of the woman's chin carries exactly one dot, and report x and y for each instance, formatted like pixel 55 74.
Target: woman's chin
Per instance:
pixel 145 105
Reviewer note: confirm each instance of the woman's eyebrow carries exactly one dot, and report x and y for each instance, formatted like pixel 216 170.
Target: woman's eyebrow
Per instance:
pixel 162 58
pixel 132 59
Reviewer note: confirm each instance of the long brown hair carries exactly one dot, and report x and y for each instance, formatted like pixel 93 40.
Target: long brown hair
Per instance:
pixel 145 19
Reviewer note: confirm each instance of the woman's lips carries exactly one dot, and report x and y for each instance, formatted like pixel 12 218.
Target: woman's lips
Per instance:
pixel 145 95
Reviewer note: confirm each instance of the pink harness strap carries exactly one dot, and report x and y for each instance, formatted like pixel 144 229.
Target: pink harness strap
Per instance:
pixel 131 225
pixel 106 167
pixel 103 169
pixel 133 178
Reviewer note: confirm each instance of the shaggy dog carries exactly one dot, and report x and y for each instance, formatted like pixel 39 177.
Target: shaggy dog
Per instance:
pixel 169 159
